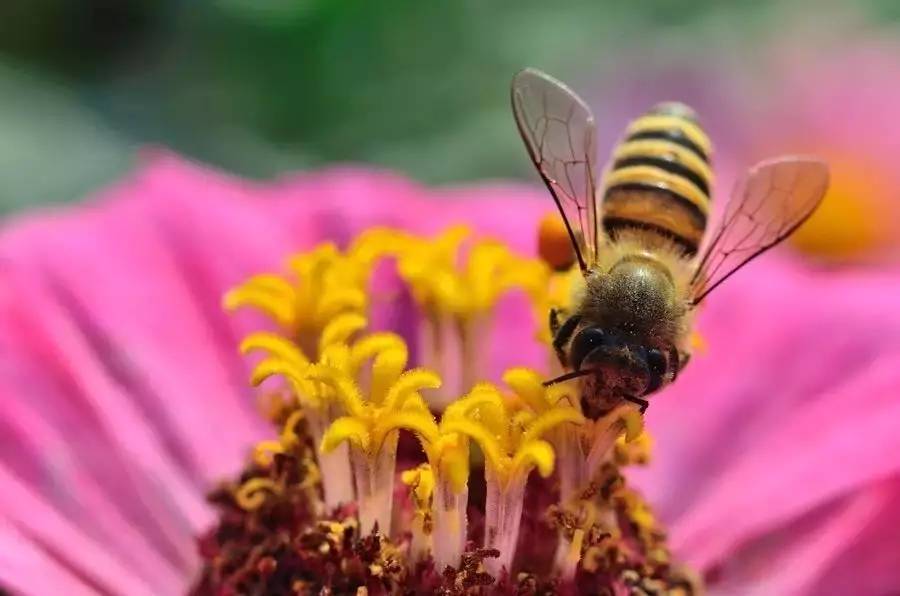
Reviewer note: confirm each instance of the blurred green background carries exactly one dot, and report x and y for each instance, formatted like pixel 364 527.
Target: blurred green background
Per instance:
pixel 260 87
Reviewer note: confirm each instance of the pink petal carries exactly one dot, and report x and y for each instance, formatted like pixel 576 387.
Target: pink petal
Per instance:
pixel 845 99
pixel 347 201
pixel 786 413
pixel 51 366
pixel 507 212
pixel 512 339
pixel 28 569
pixel 869 561
pixel 149 332
pixel 40 456
pixel 843 547
pixel 828 451
pixel 45 528
pixel 342 202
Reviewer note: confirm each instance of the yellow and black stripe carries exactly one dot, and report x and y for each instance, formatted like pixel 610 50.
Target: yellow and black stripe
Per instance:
pixel 660 178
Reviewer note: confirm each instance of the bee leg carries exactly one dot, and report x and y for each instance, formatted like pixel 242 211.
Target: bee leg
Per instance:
pixel 642 403
pixel 554 320
pixel 562 333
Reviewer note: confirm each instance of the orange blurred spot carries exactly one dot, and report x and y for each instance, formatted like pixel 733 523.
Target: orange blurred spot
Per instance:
pixel 854 220
pixel 698 343
pixel 554 245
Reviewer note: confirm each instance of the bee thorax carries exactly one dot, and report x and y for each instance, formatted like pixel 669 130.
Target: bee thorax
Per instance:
pixel 636 297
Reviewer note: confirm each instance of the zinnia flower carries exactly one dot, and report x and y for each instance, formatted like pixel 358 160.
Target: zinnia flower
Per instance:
pixel 128 402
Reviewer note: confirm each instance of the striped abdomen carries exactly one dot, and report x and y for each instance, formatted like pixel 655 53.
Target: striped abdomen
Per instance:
pixel 659 179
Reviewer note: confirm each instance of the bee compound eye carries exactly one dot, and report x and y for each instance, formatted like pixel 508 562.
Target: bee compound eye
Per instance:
pixel 656 362
pixel 584 343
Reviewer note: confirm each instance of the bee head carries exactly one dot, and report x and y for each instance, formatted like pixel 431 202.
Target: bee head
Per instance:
pixel 622 367
pixel 628 335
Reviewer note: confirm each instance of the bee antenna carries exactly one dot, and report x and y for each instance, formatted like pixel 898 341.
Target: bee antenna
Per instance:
pixel 568 376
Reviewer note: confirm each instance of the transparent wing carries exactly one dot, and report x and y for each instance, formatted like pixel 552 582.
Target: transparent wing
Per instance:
pixel 772 200
pixel 559 133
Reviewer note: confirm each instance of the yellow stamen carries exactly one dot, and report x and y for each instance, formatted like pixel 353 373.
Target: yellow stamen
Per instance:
pixel 632 420
pixel 351 430
pixel 387 368
pixel 373 344
pixel 393 400
pixel 341 328
pixel 409 382
pixel 528 386
pixel 574 551
pixel 419 421
pixel 273 284
pixel 510 451
pixel 346 390
pixel 289 437
pixel 634 452
pixel 325 285
pixel 421 481
pixel 336 301
pixel 275 307
pixel 443 285
pixel 253 493
pixel 351 393
pixel 274 345
pixel 550 419
pixel 534 454
pixel 264 451
pixel 375 243
pixel 294 374
pixel 482 403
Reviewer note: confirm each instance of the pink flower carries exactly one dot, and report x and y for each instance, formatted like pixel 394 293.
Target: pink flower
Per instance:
pixel 126 400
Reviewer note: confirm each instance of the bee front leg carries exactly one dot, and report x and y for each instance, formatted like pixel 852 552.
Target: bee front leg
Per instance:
pixel 562 333
pixel 554 320
pixel 643 404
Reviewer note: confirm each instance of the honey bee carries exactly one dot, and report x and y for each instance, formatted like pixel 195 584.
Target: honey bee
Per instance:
pixel 640 238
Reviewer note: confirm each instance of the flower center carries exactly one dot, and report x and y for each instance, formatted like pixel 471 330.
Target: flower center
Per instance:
pixel 321 506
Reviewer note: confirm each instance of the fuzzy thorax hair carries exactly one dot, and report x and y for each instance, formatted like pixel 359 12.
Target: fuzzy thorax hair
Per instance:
pixel 645 307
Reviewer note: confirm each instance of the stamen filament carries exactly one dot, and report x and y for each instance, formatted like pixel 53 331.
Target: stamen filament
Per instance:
pixel 502 518
pixel 374 477
pixel 450 521
pixel 605 431
pixel 572 555
pixel 473 333
pixel 510 455
pixel 337 478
